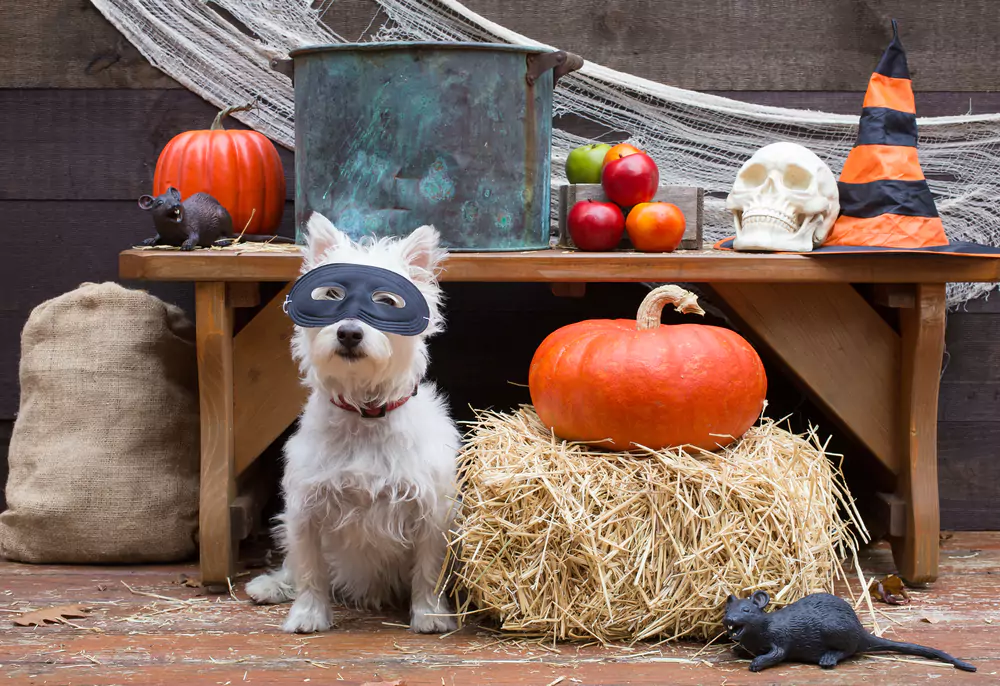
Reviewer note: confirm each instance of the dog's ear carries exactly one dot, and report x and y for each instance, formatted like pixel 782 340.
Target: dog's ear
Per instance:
pixel 321 236
pixel 422 253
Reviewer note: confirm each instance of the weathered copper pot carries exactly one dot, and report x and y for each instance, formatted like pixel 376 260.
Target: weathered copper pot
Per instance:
pixel 391 136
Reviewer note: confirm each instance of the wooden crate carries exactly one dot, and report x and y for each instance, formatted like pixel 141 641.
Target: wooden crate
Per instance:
pixel 689 199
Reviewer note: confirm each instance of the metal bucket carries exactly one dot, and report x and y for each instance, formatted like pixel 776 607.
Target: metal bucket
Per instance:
pixel 391 136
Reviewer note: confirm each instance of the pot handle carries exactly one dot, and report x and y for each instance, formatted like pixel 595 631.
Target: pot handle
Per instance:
pixel 286 67
pixel 561 61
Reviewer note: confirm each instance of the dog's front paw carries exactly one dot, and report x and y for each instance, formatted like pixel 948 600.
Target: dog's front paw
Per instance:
pixel 271 588
pixel 425 624
pixel 308 614
pixel 431 619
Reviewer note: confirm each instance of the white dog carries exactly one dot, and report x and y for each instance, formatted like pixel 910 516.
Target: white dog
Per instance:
pixel 367 500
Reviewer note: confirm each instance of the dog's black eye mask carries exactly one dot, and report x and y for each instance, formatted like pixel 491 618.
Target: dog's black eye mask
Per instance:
pixel 380 298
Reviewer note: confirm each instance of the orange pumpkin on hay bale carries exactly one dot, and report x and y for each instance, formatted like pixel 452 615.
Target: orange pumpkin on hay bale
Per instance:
pixel 561 539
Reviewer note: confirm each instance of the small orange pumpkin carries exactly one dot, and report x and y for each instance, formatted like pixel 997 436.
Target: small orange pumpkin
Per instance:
pixel 643 383
pixel 240 169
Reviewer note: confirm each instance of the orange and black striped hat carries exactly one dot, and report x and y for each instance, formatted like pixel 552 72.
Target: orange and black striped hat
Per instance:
pixel 885 203
pixel 884 197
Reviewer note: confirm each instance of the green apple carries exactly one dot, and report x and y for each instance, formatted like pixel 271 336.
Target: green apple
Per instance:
pixel 583 165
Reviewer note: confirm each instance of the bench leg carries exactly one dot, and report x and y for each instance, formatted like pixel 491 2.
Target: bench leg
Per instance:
pixel 922 329
pixel 214 314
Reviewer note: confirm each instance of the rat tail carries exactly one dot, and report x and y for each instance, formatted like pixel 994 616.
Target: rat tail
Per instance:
pixel 876 644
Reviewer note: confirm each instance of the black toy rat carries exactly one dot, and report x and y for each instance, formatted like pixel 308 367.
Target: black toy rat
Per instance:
pixel 198 221
pixel 818 629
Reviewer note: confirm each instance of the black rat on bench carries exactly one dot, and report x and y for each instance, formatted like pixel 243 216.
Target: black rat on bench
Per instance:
pixel 818 629
pixel 198 221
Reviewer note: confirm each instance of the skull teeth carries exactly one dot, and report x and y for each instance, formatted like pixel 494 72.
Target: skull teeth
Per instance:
pixel 762 216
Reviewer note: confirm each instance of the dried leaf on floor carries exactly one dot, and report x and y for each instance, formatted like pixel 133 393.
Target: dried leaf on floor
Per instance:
pixel 890 590
pixel 930 620
pixel 57 614
pixel 189 581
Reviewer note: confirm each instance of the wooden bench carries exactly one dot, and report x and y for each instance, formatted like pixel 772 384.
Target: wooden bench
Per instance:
pixel 877 381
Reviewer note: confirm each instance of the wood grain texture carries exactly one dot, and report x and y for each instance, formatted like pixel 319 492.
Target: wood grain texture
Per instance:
pixel 243 294
pixel 69 44
pixel 836 346
pixel 96 144
pixel 892 515
pixel 970 386
pixel 213 641
pixel 971 328
pixel 218 475
pixel 971 352
pixel 746 44
pixel 711 45
pixel 922 330
pixel 268 393
pixel 689 200
pixel 568 266
pixel 893 296
pixel 569 290
pixel 988 304
pixel 970 401
pixel 968 474
pixel 974 361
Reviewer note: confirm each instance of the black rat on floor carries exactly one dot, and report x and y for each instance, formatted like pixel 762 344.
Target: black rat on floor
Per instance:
pixel 818 629
pixel 198 221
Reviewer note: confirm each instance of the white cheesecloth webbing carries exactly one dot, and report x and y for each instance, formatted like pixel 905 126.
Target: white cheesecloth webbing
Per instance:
pixel 697 139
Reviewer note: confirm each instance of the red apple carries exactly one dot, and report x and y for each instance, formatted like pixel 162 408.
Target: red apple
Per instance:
pixel 595 225
pixel 630 180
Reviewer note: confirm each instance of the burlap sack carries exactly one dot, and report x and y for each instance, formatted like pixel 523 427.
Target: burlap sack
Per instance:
pixel 105 449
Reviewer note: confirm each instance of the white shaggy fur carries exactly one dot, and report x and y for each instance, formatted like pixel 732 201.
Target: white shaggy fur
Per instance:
pixel 367 501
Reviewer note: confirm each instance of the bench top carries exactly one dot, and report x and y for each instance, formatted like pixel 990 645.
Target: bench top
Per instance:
pixel 558 265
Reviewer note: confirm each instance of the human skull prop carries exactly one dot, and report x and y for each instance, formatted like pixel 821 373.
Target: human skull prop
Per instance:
pixel 785 198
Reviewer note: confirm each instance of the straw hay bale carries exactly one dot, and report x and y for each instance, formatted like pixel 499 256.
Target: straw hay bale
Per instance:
pixel 562 541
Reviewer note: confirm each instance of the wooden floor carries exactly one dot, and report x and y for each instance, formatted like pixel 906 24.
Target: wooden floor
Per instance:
pixel 148 627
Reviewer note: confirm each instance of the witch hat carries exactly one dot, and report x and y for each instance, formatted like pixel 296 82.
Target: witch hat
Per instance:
pixel 885 203
pixel 884 198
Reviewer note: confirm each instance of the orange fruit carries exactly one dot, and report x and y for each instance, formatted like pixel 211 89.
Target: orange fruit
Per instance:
pixel 655 226
pixel 619 151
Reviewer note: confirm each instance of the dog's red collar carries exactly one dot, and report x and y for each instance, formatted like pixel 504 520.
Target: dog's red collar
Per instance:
pixel 373 411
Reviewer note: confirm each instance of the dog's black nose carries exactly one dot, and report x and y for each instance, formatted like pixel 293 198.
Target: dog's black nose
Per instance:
pixel 350 335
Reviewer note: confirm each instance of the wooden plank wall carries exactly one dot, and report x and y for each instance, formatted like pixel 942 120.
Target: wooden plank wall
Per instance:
pixel 83 117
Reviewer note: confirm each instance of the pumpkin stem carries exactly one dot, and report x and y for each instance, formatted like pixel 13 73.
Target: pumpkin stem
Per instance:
pixel 652 305
pixel 217 124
